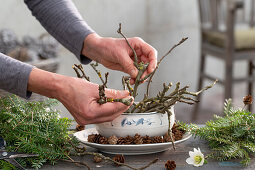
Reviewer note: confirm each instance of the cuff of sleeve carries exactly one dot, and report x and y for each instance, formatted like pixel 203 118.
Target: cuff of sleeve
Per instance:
pixel 23 81
pixel 84 59
pixel 79 33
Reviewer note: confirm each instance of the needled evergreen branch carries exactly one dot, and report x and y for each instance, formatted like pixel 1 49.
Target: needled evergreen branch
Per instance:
pixel 229 136
pixel 47 135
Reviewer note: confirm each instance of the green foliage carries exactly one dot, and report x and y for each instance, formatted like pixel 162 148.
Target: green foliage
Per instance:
pixel 230 136
pixel 6 165
pixel 34 127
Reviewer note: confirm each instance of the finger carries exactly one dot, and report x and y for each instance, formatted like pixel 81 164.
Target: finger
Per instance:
pixel 110 108
pixel 153 60
pixel 103 119
pixel 128 65
pixel 116 94
pixel 144 49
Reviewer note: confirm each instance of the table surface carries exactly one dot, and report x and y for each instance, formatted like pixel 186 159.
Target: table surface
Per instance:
pixel 179 156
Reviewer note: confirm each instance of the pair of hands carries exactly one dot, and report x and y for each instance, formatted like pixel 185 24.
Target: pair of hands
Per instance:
pixel 114 54
pixel 80 96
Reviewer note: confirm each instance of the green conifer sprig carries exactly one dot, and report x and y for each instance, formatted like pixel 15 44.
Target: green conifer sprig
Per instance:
pixel 34 127
pixel 229 136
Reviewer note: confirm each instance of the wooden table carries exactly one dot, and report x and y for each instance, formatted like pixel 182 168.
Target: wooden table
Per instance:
pixel 179 156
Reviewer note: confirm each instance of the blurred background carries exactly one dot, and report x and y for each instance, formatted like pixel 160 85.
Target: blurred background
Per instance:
pixel 162 24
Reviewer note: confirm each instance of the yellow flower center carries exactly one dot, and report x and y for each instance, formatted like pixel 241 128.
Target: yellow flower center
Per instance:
pixel 198 159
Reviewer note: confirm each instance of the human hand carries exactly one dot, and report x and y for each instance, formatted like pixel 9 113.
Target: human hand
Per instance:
pixel 81 101
pixel 114 53
pixel 78 96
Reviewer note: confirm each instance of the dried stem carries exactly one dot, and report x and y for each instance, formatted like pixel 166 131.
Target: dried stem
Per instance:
pixel 94 66
pixel 176 45
pixel 118 163
pixel 77 162
pixel 140 66
pixel 169 129
pixel 134 53
pixel 76 68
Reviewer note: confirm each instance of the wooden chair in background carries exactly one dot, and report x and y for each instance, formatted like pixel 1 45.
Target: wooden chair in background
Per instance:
pixel 223 39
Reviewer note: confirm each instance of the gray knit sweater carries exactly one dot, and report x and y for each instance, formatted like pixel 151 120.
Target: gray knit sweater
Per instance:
pixel 62 20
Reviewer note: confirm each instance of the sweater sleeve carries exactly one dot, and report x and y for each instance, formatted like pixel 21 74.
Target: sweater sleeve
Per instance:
pixel 14 76
pixel 63 21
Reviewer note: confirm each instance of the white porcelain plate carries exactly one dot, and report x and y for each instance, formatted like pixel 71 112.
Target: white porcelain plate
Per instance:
pixel 126 149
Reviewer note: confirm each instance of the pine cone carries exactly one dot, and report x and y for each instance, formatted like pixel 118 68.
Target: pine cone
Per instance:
pixel 91 138
pixel 129 140
pixel 157 139
pixel 247 100
pixel 178 135
pixel 103 140
pixel 97 138
pixel 94 138
pixel 138 139
pixel 167 138
pixel 97 159
pixel 121 141
pixel 147 140
pixel 79 127
pixel 119 158
pixel 170 165
pixel 113 140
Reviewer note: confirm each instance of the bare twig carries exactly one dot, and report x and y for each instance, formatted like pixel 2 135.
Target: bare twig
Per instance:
pixel 118 163
pixel 134 53
pixel 94 66
pixel 152 74
pixel 77 162
pixel 76 68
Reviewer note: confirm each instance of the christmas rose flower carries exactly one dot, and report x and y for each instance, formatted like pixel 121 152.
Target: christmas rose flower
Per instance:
pixel 196 158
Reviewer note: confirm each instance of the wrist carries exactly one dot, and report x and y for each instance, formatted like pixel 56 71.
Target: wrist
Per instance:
pixel 45 83
pixel 91 42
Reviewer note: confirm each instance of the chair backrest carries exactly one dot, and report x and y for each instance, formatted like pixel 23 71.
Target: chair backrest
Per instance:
pixel 214 13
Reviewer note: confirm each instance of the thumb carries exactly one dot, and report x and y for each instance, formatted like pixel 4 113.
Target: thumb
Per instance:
pixel 128 66
pixel 116 94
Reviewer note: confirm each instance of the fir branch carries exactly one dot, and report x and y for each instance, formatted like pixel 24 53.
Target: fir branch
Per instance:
pixel 229 136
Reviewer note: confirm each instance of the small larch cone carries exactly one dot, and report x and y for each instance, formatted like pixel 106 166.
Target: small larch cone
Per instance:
pixel 167 138
pixel 91 138
pixel 158 139
pixel 113 140
pixel 121 141
pixel 119 158
pixel 129 140
pixel 103 140
pixel 147 140
pixel 80 127
pixel 247 100
pixel 138 139
pixel 97 159
pixel 170 165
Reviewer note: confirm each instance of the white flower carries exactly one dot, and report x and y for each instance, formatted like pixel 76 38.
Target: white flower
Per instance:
pixel 196 158
pixel 47 109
